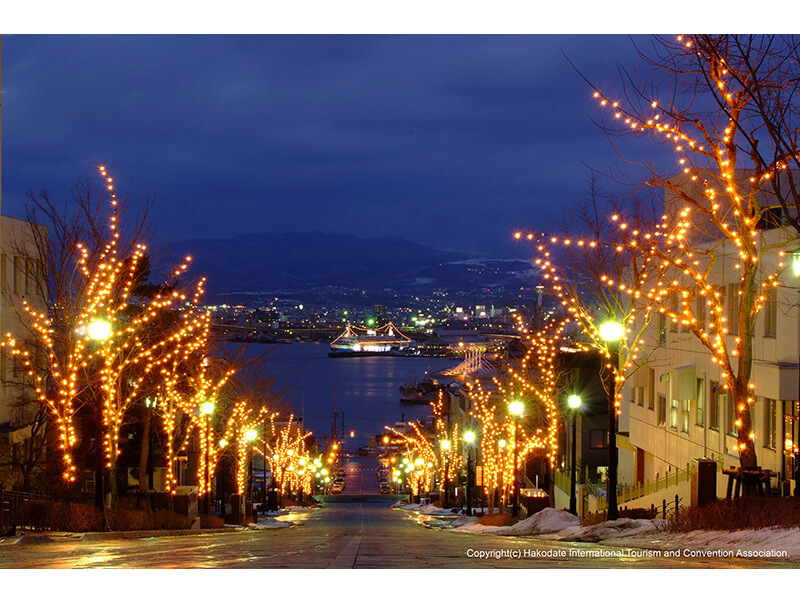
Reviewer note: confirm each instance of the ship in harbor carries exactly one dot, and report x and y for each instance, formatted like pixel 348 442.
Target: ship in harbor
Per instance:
pixel 357 341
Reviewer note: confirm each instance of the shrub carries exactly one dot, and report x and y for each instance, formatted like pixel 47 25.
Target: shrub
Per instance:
pixel 83 518
pixel 496 519
pixel 211 521
pixel 126 520
pixel 739 514
pixel 600 517
pixel 169 520
pixel 35 514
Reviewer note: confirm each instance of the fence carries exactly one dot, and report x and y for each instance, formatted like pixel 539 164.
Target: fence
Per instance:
pixel 625 493
pixel 10 504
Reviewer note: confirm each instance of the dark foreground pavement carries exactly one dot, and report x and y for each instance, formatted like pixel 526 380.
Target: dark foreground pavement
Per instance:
pixel 341 535
pixel 354 530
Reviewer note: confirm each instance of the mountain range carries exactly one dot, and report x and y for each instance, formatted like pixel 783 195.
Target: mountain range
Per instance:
pixel 305 261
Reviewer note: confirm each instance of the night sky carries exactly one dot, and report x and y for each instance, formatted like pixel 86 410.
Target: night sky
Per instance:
pixel 451 141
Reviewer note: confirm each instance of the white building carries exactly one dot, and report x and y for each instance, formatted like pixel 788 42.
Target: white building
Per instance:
pixel 677 407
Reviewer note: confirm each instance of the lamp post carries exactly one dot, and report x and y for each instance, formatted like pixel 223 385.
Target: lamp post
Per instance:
pixel 516 407
pixel 207 408
pixel 611 332
pixel 574 403
pixel 469 438
pixel 445 446
pixel 250 435
pixel 221 482
pixel 100 330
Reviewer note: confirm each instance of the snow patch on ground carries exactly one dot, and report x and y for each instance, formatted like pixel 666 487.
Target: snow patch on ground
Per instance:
pixel 608 529
pixel 766 539
pixel 268 523
pixel 546 521
pixel 424 509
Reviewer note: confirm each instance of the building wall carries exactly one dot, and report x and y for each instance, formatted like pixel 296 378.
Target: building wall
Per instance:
pixel 670 403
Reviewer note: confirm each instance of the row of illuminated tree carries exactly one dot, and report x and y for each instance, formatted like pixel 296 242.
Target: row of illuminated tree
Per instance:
pixel 509 417
pixel 104 348
pixel 706 256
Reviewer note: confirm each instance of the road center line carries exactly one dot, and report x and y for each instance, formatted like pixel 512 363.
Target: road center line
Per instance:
pixel 347 558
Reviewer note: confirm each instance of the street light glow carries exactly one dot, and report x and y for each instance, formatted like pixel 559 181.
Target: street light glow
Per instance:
pixel 469 437
pixel 99 329
pixel 516 407
pixel 611 331
pixel 574 401
pixel 207 408
pixel 445 444
pixel 250 435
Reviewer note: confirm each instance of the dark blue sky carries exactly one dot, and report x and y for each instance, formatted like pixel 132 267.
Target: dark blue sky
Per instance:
pixel 453 141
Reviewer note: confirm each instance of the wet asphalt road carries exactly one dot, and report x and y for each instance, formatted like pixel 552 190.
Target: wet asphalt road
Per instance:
pixel 360 533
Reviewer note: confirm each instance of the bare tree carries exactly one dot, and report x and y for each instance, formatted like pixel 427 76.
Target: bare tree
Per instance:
pixel 726 107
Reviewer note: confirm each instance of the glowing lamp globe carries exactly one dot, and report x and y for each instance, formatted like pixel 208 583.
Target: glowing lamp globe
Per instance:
pixel 223 442
pixel 445 444
pixel 796 262
pixel 516 408
pixel 99 329
pixel 574 401
pixel 469 437
pixel 207 408
pixel 250 435
pixel 611 331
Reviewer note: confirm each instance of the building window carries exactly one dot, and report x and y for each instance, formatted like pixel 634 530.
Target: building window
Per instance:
pixel 770 431
pixel 598 438
pixel 662 329
pixel 700 407
pixel 17 262
pixel 700 309
pixel 770 313
pixel 733 308
pixel 651 388
pixel 640 396
pixel 673 414
pixel 686 415
pixel 713 406
pixel 730 425
pixel 662 410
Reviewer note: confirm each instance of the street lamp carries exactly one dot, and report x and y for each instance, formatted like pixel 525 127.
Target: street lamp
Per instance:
pixel 99 329
pixel 250 435
pixel 469 438
pixel 445 446
pixel 207 408
pixel 516 407
pixel 574 402
pixel 221 482
pixel 612 332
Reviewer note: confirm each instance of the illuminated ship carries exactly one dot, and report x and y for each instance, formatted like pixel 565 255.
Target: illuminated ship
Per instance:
pixel 356 341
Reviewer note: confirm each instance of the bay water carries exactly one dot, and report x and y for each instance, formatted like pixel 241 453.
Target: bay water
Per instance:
pixel 365 389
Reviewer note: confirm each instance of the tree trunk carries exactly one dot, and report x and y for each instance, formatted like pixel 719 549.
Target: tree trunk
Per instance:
pixel 145 451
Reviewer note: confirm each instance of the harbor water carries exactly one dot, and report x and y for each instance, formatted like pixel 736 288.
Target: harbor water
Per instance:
pixel 365 389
